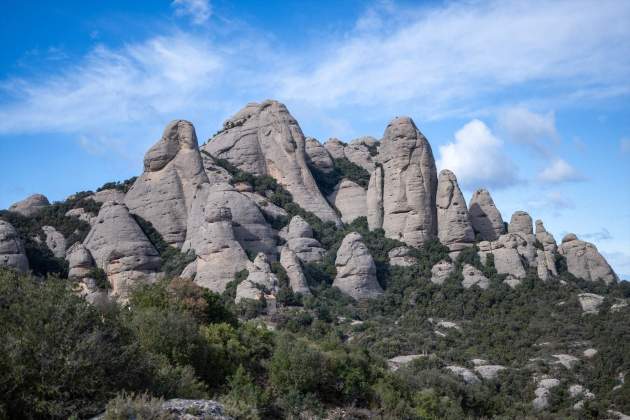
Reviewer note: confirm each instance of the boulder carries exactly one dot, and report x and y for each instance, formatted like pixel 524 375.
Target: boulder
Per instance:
pixel 350 199
pixel 584 260
pixel 211 236
pixel 182 409
pixel 264 139
pixel 374 199
pixel 410 183
pixel 260 281
pixel 110 194
pixel 465 374
pixel 489 372
pixel 55 241
pixel 402 257
pixel 291 264
pixel 521 222
pixel 454 225
pixel 12 254
pixel 30 205
pixel 173 170
pixel 80 261
pixel 542 392
pixel 300 240
pixel 485 218
pixel 356 271
pixel 120 247
pixel 441 271
pixel 474 277
pixel 397 362
pixel 251 229
pixel 590 302
pixel 318 157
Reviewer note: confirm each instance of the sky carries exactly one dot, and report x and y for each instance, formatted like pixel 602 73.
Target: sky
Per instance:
pixel 528 99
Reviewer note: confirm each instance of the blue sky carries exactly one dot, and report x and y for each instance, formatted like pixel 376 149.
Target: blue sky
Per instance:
pixel 528 99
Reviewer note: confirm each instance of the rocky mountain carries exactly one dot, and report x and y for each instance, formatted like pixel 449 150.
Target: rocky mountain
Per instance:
pixel 272 221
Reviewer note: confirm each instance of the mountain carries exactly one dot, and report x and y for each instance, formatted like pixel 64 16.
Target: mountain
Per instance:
pixel 389 295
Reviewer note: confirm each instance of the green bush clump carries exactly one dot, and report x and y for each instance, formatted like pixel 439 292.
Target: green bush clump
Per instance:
pixel 123 186
pixel 327 181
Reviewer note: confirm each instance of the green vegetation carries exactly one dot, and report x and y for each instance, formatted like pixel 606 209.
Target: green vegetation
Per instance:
pixel 122 186
pixel 343 169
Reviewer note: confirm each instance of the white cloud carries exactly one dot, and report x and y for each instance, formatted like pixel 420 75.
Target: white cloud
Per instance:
pixel 554 200
pixel 559 171
pixel 441 59
pixel 602 235
pixel 199 11
pixel 524 126
pixel 477 158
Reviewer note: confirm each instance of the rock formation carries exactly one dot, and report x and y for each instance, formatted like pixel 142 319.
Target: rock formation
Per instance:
pixel 55 241
pixel 318 157
pixel 546 257
pixel 335 148
pixel 350 199
pixel 264 139
pixel 260 281
pixel 402 257
pixel 374 199
pixel 441 271
pixel 12 253
pixel 485 217
pixel 507 259
pixel 521 222
pixel 30 205
pixel 110 194
pixel 454 227
pixel 300 240
pixel 121 249
pixel 211 236
pixel 474 277
pixel 80 261
pixel 292 266
pixel 584 261
pixel 356 272
pixel 173 169
pixel 359 152
pixel 409 183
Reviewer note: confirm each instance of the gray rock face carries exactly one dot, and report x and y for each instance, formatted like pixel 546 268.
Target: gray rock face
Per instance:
pixel 485 217
pixel 317 156
pixel 300 240
pixel 454 225
pixel 164 192
pixel 214 172
pixel 410 183
pixel 474 277
pixel 80 261
pixel 350 199
pixel 266 207
pixel 584 260
pixel 590 302
pixel 264 139
pixel 121 249
pixel 489 372
pixel 292 266
pixel 260 281
pixel 507 259
pixel 402 257
pixel 358 152
pixel 441 271
pixel 110 194
pixel 521 222
pixel 335 148
pixel 542 392
pixel 12 253
pixel 251 229
pixel 210 234
pixel 356 272
pixel 30 205
pixel 81 214
pixel 467 375
pixel 55 241
pixel 374 199
pixel 545 238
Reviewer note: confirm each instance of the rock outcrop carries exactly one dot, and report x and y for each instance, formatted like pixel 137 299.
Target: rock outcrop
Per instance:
pixel 260 281
pixel 467 375
pixel 211 236
pixel 356 271
pixel 590 302
pixel 80 261
pixel 374 199
pixel 543 392
pixel 335 148
pixel 350 199
pixel 402 257
pixel 474 277
pixel 292 266
pixel 264 139
pixel 300 240
pixel 121 249
pixel 584 260
pixel 361 152
pixel 12 253
pixel 30 205
pixel 441 271
pixel 173 169
pixel 109 194
pixel 485 218
pixel 318 157
pixel 409 183
pixel 505 250
pixel 55 241
pixel 546 257
pixel 454 227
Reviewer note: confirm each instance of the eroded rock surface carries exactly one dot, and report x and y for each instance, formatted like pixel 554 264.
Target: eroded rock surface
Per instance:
pixel 318 157
pixel 485 218
pixel 30 205
pixel 55 241
pixel 291 264
pixel 12 253
pixel 474 277
pixel 441 271
pixel 300 240
pixel 356 271
pixel 454 226
pixel 350 199
pixel 260 281
pixel 402 257
pixel 584 260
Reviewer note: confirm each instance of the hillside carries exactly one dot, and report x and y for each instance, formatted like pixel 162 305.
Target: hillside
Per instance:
pixel 286 278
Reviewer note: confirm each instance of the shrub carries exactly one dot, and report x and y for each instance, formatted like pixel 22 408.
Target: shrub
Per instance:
pixel 140 407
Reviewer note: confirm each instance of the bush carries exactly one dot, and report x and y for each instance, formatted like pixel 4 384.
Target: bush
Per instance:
pixel 140 407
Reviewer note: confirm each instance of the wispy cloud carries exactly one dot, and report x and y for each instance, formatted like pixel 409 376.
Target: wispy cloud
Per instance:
pixel 199 11
pixel 477 158
pixel 602 235
pixel 552 200
pixel 560 171
pixel 526 127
